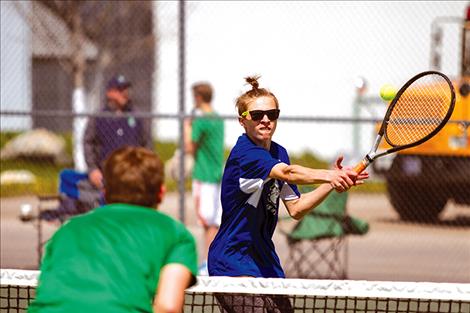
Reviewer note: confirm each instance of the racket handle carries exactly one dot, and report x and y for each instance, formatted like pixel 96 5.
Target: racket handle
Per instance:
pixel 361 166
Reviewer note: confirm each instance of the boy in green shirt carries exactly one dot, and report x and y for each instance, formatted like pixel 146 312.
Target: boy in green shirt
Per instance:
pixel 116 258
pixel 204 138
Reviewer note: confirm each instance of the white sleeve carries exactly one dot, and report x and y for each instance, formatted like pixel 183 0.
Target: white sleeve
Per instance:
pixel 287 193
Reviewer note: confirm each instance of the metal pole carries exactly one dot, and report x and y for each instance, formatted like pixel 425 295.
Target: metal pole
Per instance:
pixel 39 239
pixel 181 62
pixel 356 133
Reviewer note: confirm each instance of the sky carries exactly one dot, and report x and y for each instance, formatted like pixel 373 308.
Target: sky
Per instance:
pixel 309 54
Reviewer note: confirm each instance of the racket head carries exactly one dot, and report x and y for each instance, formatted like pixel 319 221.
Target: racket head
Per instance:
pixel 419 111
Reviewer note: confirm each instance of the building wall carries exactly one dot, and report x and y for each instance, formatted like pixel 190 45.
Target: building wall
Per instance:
pixel 52 90
pixel 42 82
pixel 15 68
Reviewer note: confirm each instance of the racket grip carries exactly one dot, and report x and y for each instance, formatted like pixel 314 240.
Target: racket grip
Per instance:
pixel 361 166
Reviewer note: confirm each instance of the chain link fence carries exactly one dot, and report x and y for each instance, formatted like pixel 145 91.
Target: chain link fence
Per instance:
pixel 324 61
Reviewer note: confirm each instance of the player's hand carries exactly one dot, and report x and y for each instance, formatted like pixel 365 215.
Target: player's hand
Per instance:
pixel 341 179
pixel 96 178
pixel 361 177
pixel 358 179
pixel 337 165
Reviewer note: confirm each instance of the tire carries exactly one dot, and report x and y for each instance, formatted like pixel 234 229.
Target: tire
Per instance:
pixel 461 194
pixel 416 202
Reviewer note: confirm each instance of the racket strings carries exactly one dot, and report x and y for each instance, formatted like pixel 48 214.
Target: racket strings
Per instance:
pixel 420 109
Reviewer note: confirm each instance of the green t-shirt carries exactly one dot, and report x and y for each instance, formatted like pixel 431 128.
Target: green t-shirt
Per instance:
pixel 208 134
pixel 109 260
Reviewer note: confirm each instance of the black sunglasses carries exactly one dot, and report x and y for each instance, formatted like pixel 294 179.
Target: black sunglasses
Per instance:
pixel 257 115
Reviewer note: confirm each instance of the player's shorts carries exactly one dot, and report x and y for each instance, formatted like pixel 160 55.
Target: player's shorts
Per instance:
pixel 207 197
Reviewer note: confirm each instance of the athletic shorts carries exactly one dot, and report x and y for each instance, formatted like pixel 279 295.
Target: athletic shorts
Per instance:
pixel 207 197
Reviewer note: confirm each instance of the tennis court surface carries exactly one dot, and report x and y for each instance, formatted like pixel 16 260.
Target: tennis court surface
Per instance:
pixel 284 295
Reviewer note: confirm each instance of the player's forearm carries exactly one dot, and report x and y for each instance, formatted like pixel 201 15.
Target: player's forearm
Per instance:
pixel 308 201
pixel 300 175
pixel 168 306
pixel 174 279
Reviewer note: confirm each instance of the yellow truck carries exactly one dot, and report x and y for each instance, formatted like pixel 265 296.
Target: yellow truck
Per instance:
pixel 422 179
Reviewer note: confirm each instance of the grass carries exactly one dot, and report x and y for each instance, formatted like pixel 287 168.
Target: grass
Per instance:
pixel 47 173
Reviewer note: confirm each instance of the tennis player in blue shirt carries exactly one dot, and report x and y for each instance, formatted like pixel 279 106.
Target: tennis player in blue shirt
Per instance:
pixel 257 174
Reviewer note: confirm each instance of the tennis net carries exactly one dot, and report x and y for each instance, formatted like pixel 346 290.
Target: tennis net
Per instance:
pixel 234 295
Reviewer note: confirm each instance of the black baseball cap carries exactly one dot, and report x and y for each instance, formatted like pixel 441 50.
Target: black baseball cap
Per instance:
pixel 118 82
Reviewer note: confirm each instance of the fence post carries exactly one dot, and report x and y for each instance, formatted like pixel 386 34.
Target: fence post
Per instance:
pixel 181 61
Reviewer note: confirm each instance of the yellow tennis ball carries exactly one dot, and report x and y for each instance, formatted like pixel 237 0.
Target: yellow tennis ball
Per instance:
pixel 388 92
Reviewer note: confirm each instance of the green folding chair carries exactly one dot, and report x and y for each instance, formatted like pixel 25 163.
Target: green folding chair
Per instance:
pixel 318 247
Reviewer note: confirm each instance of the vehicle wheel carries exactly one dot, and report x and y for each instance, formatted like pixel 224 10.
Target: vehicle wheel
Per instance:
pixel 461 194
pixel 416 203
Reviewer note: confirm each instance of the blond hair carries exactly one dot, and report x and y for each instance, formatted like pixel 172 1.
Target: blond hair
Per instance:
pixel 251 95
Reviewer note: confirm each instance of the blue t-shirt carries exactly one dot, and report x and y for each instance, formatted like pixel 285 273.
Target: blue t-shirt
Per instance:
pixel 243 245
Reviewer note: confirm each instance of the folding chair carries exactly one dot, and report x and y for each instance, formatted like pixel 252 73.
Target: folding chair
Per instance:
pixel 318 247
pixel 76 196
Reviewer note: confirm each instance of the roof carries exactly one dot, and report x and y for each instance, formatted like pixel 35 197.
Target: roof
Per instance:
pixel 52 38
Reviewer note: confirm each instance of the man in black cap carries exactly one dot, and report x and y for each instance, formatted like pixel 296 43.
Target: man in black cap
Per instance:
pixel 104 135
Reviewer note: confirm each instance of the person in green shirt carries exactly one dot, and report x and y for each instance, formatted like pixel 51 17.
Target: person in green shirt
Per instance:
pixel 124 256
pixel 204 139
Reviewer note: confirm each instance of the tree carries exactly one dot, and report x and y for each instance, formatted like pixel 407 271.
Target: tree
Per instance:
pixel 122 34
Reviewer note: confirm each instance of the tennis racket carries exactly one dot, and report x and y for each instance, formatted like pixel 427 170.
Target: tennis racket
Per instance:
pixel 418 112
